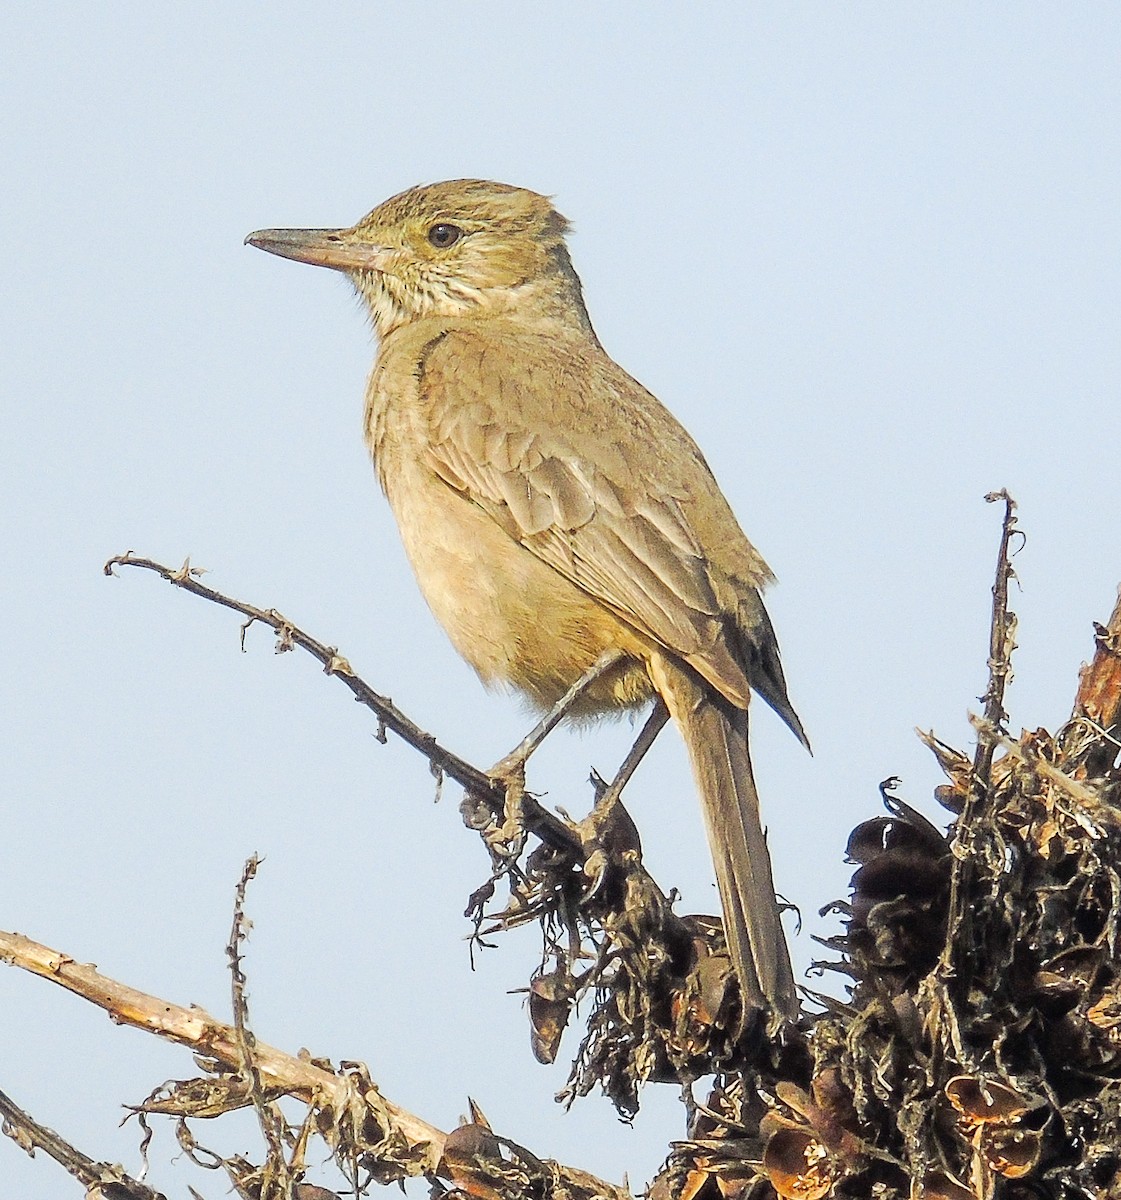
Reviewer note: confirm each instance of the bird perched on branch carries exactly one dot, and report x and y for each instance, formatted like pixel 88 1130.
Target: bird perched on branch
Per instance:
pixel 562 524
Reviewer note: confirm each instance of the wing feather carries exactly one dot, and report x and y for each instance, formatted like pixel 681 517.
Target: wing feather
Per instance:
pixel 568 499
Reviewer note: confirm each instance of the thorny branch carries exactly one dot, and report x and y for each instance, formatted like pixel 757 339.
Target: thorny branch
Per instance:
pixel 442 760
pixel 103 1181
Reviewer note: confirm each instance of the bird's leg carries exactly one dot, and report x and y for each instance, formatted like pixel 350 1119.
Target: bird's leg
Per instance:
pixel 510 770
pixel 514 762
pixel 659 715
pixel 596 828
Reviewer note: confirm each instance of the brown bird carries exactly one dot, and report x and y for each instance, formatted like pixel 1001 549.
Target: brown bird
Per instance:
pixel 554 511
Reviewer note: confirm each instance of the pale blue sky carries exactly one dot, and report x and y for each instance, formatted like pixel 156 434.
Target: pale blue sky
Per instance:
pixel 868 253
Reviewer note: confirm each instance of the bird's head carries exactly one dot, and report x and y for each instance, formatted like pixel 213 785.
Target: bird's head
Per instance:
pixel 462 248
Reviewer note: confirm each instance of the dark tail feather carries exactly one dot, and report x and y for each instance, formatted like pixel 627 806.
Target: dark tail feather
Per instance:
pixel 759 650
pixel 715 733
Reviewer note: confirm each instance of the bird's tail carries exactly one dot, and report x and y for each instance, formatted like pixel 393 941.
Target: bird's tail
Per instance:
pixel 715 733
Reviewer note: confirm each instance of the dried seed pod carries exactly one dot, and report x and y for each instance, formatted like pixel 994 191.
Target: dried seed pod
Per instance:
pixel 798 1164
pixel 938 1185
pixel 550 1004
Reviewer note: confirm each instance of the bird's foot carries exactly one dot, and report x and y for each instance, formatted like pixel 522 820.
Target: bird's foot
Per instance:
pixel 608 834
pixel 506 839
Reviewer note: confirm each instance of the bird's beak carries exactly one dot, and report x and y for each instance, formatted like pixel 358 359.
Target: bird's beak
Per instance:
pixel 339 249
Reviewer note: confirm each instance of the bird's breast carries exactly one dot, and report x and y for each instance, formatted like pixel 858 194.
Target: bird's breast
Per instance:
pixel 512 617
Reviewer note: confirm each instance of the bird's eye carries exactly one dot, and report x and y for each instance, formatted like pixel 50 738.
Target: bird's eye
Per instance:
pixel 442 236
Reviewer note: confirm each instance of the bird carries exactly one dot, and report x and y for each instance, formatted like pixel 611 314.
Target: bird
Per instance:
pixel 556 515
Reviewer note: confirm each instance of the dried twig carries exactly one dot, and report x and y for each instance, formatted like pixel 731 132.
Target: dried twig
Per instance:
pixel 247 1041
pixel 549 828
pixel 1002 642
pixel 954 966
pixel 199 1031
pixel 278 1176
pixel 1088 800
pixel 102 1180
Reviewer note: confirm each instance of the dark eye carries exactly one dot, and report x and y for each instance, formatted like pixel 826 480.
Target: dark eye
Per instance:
pixel 442 236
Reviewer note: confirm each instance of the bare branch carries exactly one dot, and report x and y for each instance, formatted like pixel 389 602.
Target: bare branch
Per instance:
pixel 278 1176
pixel 199 1031
pixel 349 1111
pixel 104 1180
pixel 549 828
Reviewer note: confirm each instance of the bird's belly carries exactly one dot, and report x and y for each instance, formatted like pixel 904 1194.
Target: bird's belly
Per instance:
pixel 512 617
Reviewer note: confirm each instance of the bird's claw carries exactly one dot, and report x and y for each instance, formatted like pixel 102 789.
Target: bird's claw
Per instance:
pixel 608 835
pixel 507 839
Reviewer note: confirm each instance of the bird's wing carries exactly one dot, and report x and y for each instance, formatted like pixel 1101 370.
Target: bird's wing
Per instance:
pixel 524 445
